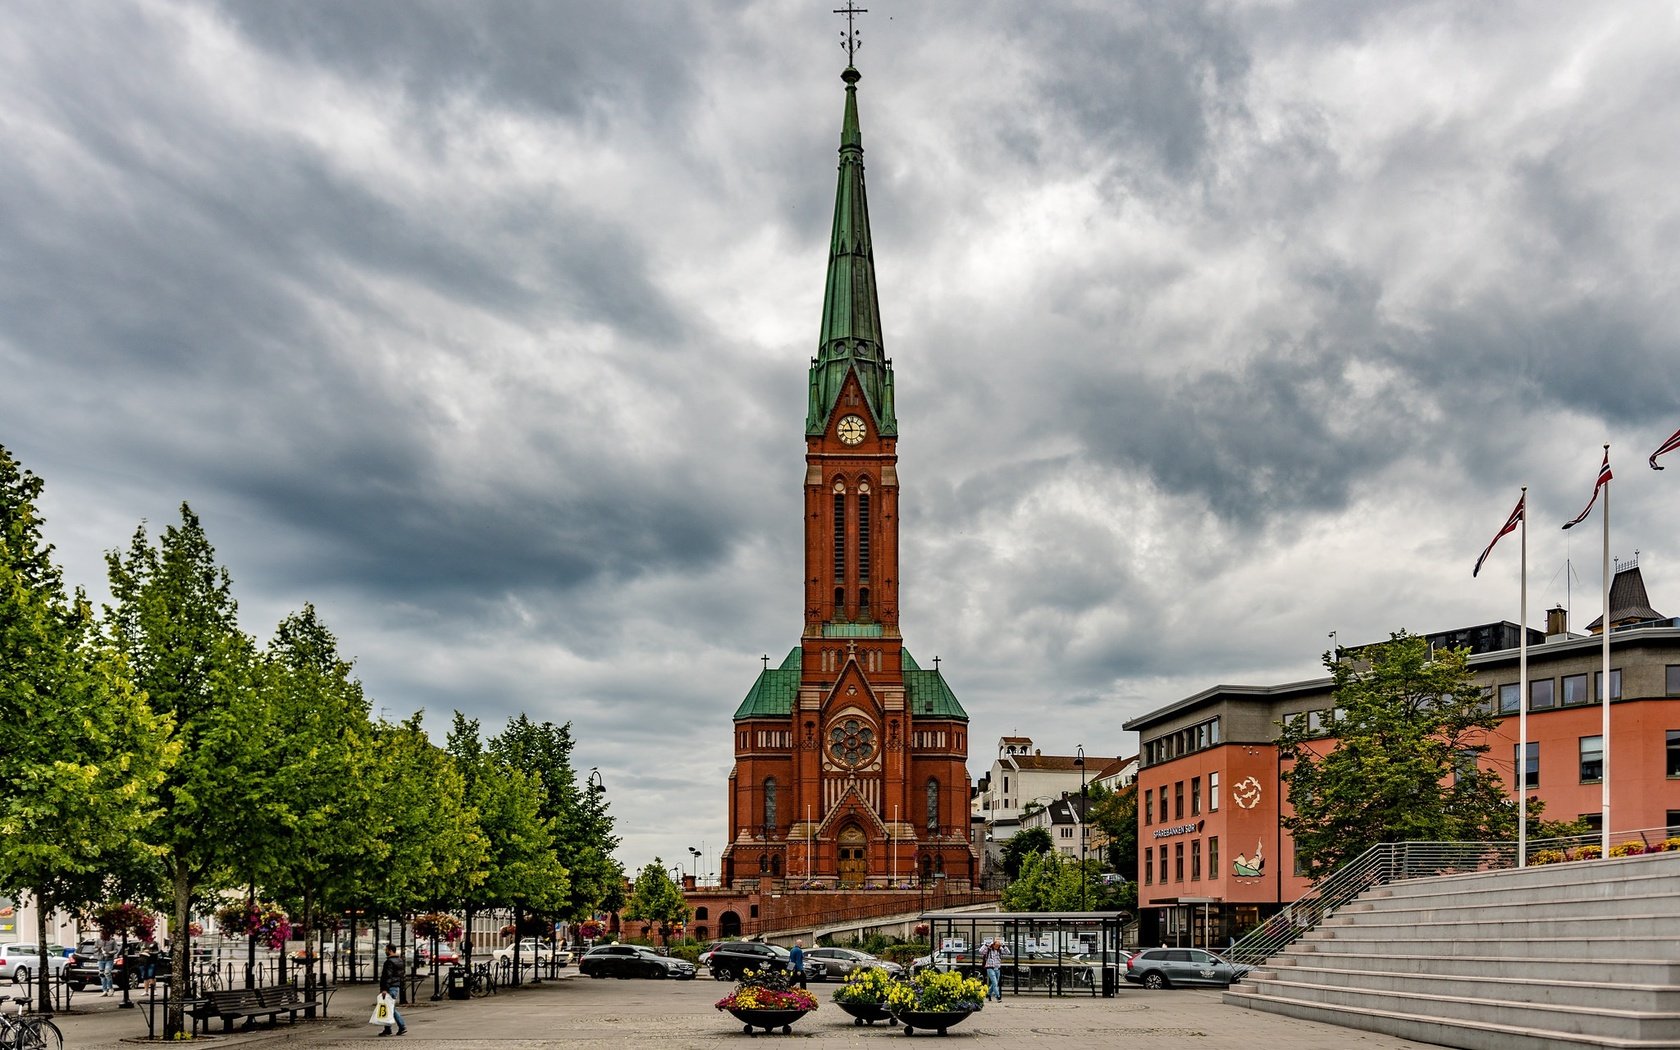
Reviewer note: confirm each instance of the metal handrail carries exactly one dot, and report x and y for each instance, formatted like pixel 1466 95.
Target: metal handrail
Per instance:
pixel 1396 861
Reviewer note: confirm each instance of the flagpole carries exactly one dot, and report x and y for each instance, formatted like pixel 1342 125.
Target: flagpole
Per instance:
pixel 1522 700
pixel 1604 816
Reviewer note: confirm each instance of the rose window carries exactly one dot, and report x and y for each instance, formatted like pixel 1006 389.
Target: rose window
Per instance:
pixel 851 741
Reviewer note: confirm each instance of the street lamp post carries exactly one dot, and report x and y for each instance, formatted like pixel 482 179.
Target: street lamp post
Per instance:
pixel 1084 882
pixel 696 855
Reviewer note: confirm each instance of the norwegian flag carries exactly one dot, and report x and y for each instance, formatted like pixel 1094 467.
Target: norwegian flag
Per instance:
pixel 1510 526
pixel 1603 480
pixel 1667 446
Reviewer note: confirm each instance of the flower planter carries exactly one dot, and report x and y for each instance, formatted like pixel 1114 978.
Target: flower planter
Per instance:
pixel 932 1020
pixel 766 1019
pixel 867 1013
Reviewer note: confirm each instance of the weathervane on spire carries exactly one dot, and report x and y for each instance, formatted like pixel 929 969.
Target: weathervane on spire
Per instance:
pixel 849 39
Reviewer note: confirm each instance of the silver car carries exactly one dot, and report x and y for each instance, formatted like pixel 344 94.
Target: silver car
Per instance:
pixel 19 961
pixel 1171 967
pixel 838 962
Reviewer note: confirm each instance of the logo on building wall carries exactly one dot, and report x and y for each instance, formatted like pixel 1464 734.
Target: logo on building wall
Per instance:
pixel 1249 867
pixel 1246 793
pixel 1180 829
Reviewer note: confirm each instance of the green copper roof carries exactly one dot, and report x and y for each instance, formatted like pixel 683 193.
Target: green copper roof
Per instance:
pixel 777 690
pixel 927 692
pixel 850 342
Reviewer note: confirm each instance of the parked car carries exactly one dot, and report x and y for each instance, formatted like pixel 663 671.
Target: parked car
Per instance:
pixel 82 969
pixel 1170 967
pixel 533 951
pixel 947 959
pixel 447 954
pixel 838 962
pixel 730 959
pixel 632 960
pixel 19 960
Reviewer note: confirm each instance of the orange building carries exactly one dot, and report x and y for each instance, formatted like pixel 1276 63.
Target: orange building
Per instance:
pixel 850 756
pixel 1214 859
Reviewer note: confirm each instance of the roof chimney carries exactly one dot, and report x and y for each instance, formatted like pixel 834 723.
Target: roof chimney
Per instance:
pixel 1557 621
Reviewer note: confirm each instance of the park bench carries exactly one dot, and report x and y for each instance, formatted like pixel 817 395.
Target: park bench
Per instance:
pixel 249 1004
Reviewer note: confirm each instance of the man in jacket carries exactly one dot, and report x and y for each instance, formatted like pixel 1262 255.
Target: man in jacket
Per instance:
pixel 390 982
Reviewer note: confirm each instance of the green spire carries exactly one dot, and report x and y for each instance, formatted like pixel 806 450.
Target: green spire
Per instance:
pixel 850 342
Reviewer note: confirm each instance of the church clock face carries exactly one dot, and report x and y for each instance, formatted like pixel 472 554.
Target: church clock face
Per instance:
pixel 851 742
pixel 851 430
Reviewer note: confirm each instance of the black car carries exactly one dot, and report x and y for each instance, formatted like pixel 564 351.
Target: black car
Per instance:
pixel 632 960
pixel 731 959
pixel 83 970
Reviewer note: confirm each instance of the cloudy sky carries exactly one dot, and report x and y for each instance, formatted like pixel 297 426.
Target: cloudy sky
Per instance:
pixel 483 326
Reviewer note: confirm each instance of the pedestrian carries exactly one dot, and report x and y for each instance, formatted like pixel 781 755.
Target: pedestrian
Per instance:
pixel 991 957
pixel 106 951
pixel 796 960
pixel 390 982
pixel 148 961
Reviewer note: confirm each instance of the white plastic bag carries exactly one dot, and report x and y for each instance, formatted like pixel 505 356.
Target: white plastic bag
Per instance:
pixel 384 1008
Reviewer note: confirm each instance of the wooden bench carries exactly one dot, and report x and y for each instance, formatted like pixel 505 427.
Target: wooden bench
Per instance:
pixel 249 1004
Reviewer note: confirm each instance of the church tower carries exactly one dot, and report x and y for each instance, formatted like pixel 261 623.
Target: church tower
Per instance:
pixel 850 758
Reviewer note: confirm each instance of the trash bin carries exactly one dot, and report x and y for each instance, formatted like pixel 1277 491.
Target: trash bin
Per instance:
pixel 455 984
pixel 1111 980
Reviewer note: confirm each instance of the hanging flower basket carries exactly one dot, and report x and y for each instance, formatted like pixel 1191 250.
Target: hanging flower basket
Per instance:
pixel 262 920
pixel 443 926
pixel 119 919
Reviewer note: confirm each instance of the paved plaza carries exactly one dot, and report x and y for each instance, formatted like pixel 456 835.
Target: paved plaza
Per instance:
pixel 579 1012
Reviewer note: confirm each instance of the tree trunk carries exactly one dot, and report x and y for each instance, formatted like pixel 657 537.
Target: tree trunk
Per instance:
pixel 43 904
pixel 180 952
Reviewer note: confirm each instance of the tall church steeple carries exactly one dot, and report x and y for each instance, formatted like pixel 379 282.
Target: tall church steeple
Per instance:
pixel 850 340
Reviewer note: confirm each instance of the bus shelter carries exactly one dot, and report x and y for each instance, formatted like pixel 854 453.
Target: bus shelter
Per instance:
pixel 1045 953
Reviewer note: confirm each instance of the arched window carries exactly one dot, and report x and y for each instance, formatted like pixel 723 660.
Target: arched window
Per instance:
pixel 863 536
pixel 699 913
pixel 763 865
pixel 770 802
pixel 863 603
pixel 840 533
pixel 932 804
pixel 775 865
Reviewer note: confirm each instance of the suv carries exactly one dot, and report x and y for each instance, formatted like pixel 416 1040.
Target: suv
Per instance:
pixel 1168 967
pixel 731 959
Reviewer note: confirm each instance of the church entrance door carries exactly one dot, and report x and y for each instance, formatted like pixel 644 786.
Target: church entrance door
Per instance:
pixel 854 856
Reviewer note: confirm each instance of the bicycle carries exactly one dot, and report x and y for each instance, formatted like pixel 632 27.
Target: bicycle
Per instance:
pixel 207 979
pixel 27 1030
pixel 480 983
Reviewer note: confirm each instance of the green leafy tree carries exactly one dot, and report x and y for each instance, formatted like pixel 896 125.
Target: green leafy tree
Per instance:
pixel 84 753
pixel 1409 728
pixel 583 826
pixel 433 849
pixel 1022 845
pixel 656 899
pixel 175 622
pixel 1046 881
pixel 1114 814
pixel 321 793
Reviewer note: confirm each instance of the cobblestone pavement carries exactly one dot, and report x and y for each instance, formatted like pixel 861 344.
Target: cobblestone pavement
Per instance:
pixel 579 1012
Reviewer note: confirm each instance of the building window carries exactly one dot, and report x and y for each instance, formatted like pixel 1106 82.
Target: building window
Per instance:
pixel 1148 806
pixel 1673 822
pixel 1178 800
pixel 1671 680
pixel 1592 759
pixel 1195 796
pixel 863 533
pixel 1006 788
pixel 839 535
pixel 1674 752
pixel 1574 689
pixel 1213 792
pixel 700 913
pixel 770 802
pixel 1178 862
pixel 1541 694
pixel 1315 722
pixel 1163 866
pixel 1593 820
pixel 1533 763
pixel 1213 857
pixel 1196 860
pixel 1508 698
pixel 1615 684
pixel 1149 866
pixel 932 804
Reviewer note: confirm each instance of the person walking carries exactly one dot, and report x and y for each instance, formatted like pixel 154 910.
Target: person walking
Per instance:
pixel 991 957
pixel 390 982
pixel 106 951
pixel 796 959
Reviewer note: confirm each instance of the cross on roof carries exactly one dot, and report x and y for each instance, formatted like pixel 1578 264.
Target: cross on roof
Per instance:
pixel 849 39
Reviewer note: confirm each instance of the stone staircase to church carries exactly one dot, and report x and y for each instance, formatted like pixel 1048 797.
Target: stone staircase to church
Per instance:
pixel 1579 954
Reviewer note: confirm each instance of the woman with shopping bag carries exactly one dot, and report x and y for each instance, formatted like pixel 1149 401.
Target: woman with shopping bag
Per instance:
pixel 390 989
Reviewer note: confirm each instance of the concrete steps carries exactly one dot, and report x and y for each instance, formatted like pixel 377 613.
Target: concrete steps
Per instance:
pixel 1569 955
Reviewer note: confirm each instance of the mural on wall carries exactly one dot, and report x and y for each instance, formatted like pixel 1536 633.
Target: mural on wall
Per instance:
pixel 1246 793
pixel 1249 867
